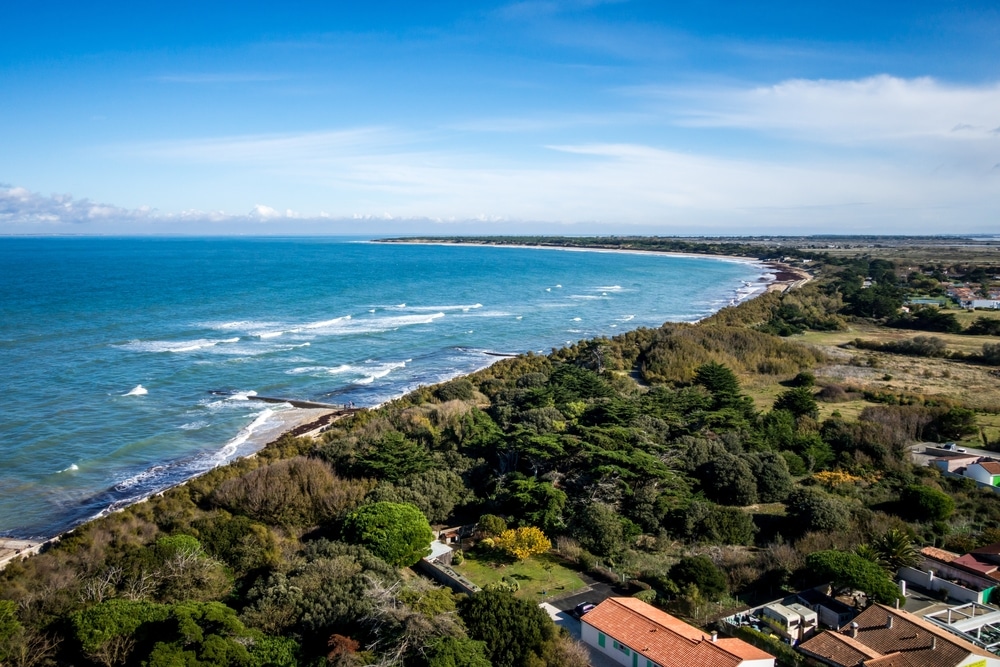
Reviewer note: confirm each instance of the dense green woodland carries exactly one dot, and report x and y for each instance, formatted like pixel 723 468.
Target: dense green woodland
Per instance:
pixel 640 457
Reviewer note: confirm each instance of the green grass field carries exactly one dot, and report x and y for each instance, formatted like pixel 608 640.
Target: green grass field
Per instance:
pixel 540 577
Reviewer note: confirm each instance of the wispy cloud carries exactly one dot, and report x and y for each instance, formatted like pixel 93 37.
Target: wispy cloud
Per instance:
pixel 268 148
pixel 201 78
pixel 875 109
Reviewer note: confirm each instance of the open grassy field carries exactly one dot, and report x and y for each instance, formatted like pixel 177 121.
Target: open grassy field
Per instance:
pixel 540 577
pixel 970 384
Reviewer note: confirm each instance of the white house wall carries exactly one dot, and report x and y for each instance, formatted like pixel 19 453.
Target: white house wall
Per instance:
pixel 589 634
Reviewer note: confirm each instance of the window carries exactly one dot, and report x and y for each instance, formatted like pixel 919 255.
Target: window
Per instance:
pixel 600 639
pixel 621 647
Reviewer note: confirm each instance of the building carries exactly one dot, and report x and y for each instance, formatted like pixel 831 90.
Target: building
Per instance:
pixel 954 462
pixel 637 634
pixel 885 637
pixel 969 578
pixel 832 612
pixel 792 621
pixel 985 472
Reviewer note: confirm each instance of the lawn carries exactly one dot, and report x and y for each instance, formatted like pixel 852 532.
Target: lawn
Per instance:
pixel 540 577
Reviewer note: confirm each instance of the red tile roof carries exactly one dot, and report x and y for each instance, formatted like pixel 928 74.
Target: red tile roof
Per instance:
pixel 939 554
pixel 992 467
pixel 910 642
pixel 664 639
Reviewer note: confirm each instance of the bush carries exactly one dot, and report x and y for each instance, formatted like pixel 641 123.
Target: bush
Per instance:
pixel 397 533
pixel 701 572
pixel 922 503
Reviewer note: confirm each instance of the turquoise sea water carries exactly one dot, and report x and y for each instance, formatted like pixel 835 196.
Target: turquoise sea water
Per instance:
pixel 201 324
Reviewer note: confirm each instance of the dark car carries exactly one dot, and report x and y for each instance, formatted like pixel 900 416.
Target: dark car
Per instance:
pixel 582 608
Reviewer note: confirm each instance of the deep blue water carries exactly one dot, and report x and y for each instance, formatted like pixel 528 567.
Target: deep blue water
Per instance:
pixel 200 323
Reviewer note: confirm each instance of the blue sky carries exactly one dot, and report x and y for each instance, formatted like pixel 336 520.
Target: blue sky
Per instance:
pixel 570 117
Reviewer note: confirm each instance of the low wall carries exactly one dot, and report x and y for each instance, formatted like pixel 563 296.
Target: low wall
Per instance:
pixel 447 576
pixel 933 583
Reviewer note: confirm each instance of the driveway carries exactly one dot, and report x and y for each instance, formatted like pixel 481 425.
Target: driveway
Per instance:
pixel 565 619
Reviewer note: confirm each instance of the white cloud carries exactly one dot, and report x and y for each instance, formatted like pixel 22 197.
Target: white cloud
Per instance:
pixel 875 109
pixel 265 147
pixel 25 207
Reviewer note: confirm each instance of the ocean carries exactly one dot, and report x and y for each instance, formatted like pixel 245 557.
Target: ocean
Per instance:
pixel 131 364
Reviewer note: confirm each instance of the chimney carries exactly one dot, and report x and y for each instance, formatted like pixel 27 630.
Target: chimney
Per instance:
pixel 715 637
pixel 854 629
pixel 888 622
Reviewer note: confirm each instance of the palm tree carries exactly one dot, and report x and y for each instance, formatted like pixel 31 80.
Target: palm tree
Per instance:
pixel 896 549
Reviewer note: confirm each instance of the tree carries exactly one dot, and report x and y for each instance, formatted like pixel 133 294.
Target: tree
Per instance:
pixel 701 572
pixel 895 549
pixel 395 532
pixel 491 525
pixel 800 401
pixel 522 543
pixel 845 569
pixel 513 630
pixel 599 529
pixel 811 509
pixel 108 631
pixel 718 379
pixel 204 634
pixel 455 652
pixel 708 522
pixel 953 424
pixel 774 482
pixel 538 503
pixel 926 504
pixel 392 458
pixel 728 479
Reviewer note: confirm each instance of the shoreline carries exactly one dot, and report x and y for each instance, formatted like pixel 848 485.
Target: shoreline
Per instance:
pixel 783 278
pixel 300 422
pixel 569 248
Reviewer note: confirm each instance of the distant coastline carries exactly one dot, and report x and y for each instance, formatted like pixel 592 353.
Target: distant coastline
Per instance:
pixel 785 276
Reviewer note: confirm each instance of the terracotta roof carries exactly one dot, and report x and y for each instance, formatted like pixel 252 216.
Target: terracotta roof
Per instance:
pixel 939 554
pixel 838 648
pixel 910 642
pixel 992 467
pixel 664 639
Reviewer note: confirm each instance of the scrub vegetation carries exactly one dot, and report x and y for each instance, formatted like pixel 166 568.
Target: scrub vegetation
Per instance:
pixel 698 465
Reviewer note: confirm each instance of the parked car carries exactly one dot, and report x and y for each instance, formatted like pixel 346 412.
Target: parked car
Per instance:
pixel 952 447
pixel 582 608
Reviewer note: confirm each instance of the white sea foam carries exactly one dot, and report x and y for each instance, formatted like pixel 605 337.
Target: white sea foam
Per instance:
pixel 138 478
pixel 72 468
pixel 174 346
pixel 377 371
pixel 577 319
pixel 519 317
pixel 608 288
pixel 463 308
pixel 193 426
pixel 559 286
pixel 137 390
pixel 233 445
pixel 587 297
pixel 627 318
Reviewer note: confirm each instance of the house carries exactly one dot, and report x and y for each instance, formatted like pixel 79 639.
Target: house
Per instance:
pixel 986 472
pixel 968 578
pixel 793 621
pixel 637 634
pixel 954 462
pixel 885 637
pixel 832 612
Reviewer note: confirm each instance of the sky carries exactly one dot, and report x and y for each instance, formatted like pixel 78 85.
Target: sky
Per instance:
pixel 548 116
